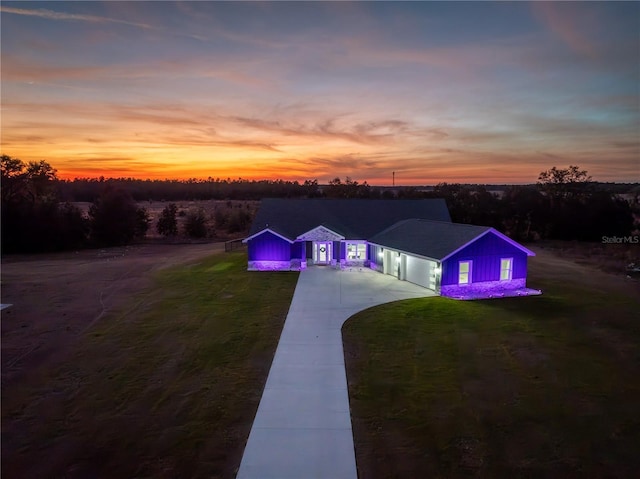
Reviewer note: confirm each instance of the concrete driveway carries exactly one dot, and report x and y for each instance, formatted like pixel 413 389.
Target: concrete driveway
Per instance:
pixel 302 429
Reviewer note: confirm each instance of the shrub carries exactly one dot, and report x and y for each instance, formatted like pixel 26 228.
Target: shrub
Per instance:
pixel 116 219
pixel 239 220
pixel 195 225
pixel 221 217
pixel 167 223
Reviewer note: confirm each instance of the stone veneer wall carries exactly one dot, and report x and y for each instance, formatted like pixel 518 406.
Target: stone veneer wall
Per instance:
pixel 292 265
pixel 354 263
pixel 484 288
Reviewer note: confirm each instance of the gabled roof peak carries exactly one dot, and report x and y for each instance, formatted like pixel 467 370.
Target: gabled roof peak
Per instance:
pixel 436 239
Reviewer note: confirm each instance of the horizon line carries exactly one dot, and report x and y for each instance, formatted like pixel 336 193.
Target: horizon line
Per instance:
pixel 102 178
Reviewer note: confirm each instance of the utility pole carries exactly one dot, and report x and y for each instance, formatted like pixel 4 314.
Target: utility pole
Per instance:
pixel 393 176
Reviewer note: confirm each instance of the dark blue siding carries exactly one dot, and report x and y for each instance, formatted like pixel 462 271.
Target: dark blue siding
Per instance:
pixel 298 250
pixel 485 253
pixel 269 247
pixel 337 251
pixel 371 253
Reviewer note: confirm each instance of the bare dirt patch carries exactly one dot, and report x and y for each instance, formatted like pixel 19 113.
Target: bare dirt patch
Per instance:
pixel 606 257
pixel 57 297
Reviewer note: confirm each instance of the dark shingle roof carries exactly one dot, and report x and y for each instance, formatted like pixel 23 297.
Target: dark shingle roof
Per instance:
pixel 433 239
pixel 353 219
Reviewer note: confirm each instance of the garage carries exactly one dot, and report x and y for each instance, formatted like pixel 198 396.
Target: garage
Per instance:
pixel 421 272
pixel 389 263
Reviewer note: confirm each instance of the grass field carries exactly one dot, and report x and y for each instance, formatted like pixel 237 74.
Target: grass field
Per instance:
pixel 167 389
pixel 544 386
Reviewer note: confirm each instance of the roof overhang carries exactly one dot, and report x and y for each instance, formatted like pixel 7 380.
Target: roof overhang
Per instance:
pixel 267 230
pixel 527 251
pixel 320 233
pixel 404 252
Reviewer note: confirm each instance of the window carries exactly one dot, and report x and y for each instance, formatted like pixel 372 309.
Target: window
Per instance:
pixel 506 269
pixel 464 272
pixel 356 251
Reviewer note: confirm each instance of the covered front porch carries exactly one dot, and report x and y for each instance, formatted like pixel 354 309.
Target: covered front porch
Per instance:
pixel 321 246
pixel 338 254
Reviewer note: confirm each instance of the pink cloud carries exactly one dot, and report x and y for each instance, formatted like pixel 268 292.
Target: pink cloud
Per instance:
pixel 53 15
pixel 571 22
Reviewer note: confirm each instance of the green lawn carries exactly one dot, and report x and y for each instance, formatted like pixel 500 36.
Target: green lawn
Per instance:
pixel 545 386
pixel 169 388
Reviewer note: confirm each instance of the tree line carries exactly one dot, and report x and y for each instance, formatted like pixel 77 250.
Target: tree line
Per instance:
pixel 38 213
pixel 564 205
pixel 88 189
pixel 34 219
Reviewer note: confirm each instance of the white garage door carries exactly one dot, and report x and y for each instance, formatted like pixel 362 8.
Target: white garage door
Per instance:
pixel 421 271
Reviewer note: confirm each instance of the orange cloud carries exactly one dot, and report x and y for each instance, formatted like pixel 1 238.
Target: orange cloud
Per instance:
pixel 143 98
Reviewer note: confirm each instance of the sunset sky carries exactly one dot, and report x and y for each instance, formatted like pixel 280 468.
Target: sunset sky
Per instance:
pixel 456 92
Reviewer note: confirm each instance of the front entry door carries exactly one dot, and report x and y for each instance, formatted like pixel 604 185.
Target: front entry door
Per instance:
pixel 322 252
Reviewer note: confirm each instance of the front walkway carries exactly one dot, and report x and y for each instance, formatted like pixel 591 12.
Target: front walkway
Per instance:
pixel 302 429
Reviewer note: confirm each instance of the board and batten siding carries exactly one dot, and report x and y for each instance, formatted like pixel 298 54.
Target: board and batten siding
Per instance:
pixel 372 252
pixel 299 250
pixel 269 247
pixel 485 253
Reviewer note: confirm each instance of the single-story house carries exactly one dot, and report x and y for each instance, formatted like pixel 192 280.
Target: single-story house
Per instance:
pixel 413 240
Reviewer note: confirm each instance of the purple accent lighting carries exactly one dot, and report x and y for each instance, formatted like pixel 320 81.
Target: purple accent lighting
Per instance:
pixel 269 247
pixel 488 289
pixel 486 253
pixel 292 265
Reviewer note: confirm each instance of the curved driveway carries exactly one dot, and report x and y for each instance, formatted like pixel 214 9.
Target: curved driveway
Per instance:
pixel 302 429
